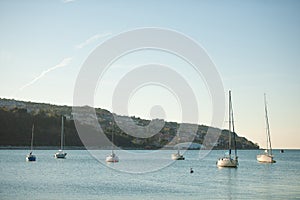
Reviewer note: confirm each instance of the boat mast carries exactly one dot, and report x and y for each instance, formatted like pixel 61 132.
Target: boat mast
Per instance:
pixel 112 137
pixel 32 130
pixel 229 129
pixel 178 142
pixel 62 133
pixel 268 127
pixel 233 131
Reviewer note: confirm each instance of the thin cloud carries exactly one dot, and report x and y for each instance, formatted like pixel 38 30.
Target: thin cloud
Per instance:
pixel 63 63
pixel 68 1
pixel 92 39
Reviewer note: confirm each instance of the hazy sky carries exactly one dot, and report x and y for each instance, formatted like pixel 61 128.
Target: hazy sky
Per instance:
pixel 255 46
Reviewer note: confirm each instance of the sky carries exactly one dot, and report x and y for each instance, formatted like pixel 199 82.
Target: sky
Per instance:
pixel 254 45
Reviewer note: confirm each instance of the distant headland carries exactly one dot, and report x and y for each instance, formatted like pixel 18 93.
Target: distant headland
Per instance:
pixel 17 117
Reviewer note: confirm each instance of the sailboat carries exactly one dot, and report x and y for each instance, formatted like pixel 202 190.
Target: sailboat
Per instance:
pixel 177 156
pixel 60 153
pixel 229 160
pixel 266 156
pixel 112 157
pixel 30 156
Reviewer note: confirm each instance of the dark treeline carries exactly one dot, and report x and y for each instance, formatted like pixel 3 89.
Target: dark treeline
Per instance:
pixel 17 118
pixel 16 125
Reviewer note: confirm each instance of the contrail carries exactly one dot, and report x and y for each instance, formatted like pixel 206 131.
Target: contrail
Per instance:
pixel 63 63
pixel 67 60
pixel 92 39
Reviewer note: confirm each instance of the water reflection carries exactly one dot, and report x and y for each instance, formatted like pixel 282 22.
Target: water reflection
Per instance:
pixel 230 178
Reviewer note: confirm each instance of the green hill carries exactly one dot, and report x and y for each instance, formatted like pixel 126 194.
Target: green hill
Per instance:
pixel 17 117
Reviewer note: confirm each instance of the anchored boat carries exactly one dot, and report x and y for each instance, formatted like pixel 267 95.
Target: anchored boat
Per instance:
pixel 30 156
pixel 267 156
pixel 112 157
pixel 229 160
pixel 61 153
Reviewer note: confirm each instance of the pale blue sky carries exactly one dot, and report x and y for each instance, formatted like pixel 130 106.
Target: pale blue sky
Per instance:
pixel 254 44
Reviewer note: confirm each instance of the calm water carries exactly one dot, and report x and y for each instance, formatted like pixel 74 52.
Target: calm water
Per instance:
pixel 80 176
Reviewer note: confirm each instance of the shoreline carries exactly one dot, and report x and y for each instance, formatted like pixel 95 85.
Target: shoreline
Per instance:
pixel 107 148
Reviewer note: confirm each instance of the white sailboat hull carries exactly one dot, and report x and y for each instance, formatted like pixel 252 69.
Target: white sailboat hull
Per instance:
pixel 112 158
pixel 227 162
pixel 265 158
pixel 177 156
pixel 60 154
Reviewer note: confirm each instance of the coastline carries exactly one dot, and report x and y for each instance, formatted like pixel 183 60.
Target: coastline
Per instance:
pixel 109 148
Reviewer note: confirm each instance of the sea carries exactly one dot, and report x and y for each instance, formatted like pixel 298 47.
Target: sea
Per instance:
pixel 85 176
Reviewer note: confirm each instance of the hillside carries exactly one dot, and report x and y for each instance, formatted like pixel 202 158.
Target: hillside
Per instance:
pixel 17 117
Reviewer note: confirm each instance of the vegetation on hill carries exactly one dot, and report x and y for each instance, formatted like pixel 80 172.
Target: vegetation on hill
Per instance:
pixel 17 117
